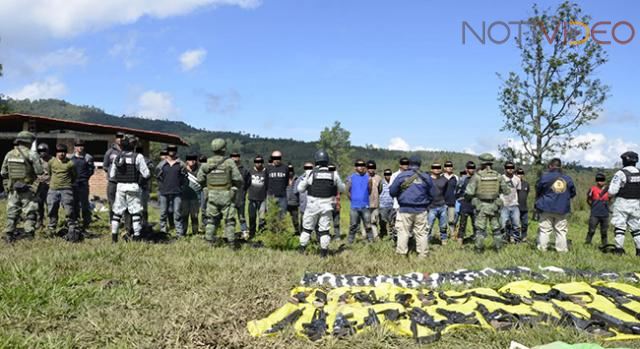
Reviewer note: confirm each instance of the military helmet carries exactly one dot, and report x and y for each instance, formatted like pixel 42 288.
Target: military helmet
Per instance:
pixel 25 136
pixel 486 158
pixel 218 145
pixel 43 148
pixel 629 157
pixel 129 142
pixel 321 157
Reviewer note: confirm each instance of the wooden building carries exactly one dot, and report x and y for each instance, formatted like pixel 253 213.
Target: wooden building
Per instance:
pixel 98 138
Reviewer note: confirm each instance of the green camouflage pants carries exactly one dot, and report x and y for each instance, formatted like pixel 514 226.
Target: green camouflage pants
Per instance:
pixel 220 205
pixel 18 203
pixel 488 220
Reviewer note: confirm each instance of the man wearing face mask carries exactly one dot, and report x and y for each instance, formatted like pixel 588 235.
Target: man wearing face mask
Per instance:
pixel 277 179
pixel 293 199
pixel 467 210
pixel 358 190
pixel 386 204
pixel 257 193
pixel 438 206
pixel 510 214
pixel 302 196
pixel 172 176
pixel 374 196
pixel 63 174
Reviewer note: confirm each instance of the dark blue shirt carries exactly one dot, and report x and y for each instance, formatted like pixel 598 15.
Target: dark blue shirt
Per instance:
pixel 554 192
pixel 417 197
pixel 450 192
pixel 84 167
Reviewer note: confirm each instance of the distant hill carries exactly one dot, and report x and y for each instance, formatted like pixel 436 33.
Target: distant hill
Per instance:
pixel 295 151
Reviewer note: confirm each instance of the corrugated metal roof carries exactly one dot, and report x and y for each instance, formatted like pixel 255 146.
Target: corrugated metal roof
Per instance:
pixel 51 123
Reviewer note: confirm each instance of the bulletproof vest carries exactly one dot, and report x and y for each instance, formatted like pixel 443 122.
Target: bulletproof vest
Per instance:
pixel 631 189
pixel 219 176
pixel 323 185
pixel 488 187
pixel 126 171
pixel 19 166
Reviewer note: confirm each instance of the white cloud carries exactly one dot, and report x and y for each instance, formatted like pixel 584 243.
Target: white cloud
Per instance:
pixel 126 49
pixel 156 105
pixel 66 18
pixel 603 152
pixel 69 56
pixel 51 87
pixel 398 143
pixel 192 58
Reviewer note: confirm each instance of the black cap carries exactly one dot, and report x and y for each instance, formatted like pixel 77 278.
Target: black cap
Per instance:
pixel 80 143
pixel 404 161
pixel 448 164
pixel 61 148
pixel 203 158
pixel 192 156
pixel 172 147
pixel 331 167
pixel 164 152
pixel 371 164
pixel 436 166
pixel 360 163
pixel 520 171
pixel 120 135
pixel 387 172
pixel 629 156
pixel 290 167
pixel 600 177
pixel 470 165
pixel 258 160
pixel 139 150
pixel 235 154
pixel 509 165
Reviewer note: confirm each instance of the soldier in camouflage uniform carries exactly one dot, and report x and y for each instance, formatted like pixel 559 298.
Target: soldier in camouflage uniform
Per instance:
pixel 484 191
pixel 222 179
pixel 20 168
pixel 42 183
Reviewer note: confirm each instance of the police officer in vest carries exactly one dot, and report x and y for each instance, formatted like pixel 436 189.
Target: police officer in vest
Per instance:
pixel 20 168
pixel 484 190
pixel 625 187
pixel 127 169
pixel 222 179
pixel 321 186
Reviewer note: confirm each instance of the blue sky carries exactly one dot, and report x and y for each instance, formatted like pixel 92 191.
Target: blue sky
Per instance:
pixel 396 74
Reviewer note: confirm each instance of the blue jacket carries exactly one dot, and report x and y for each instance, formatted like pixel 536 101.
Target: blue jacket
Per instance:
pixel 417 197
pixel 554 192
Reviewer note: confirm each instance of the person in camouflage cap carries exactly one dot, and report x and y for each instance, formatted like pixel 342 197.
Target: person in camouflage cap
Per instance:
pixel 222 179
pixel 484 191
pixel 20 168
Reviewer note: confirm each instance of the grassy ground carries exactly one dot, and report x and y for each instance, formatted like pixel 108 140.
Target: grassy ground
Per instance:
pixel 186 294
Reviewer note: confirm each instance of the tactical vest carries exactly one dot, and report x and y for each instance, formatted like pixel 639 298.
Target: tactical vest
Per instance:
pixel 323 185
pixel 631 189
pixel 488 187
pixel 20 168
pixel 219 176
pixel 126 171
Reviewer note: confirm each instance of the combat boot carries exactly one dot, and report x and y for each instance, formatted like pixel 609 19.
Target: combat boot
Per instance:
pixel 324 252
pixel 302 249
pixel 9 238
pixel 234 245
pixel 114 238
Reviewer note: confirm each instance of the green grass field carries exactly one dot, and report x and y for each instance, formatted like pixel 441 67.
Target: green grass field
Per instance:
pixel 187 294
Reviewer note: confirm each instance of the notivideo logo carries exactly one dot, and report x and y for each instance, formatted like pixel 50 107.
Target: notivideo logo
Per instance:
pixel 567 32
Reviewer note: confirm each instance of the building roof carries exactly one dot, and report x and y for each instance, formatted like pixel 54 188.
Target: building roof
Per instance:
pixel 45 123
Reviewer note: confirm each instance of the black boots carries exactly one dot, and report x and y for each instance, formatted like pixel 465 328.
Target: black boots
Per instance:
pixel 114 238
pixel 302 249
pixel 324 252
